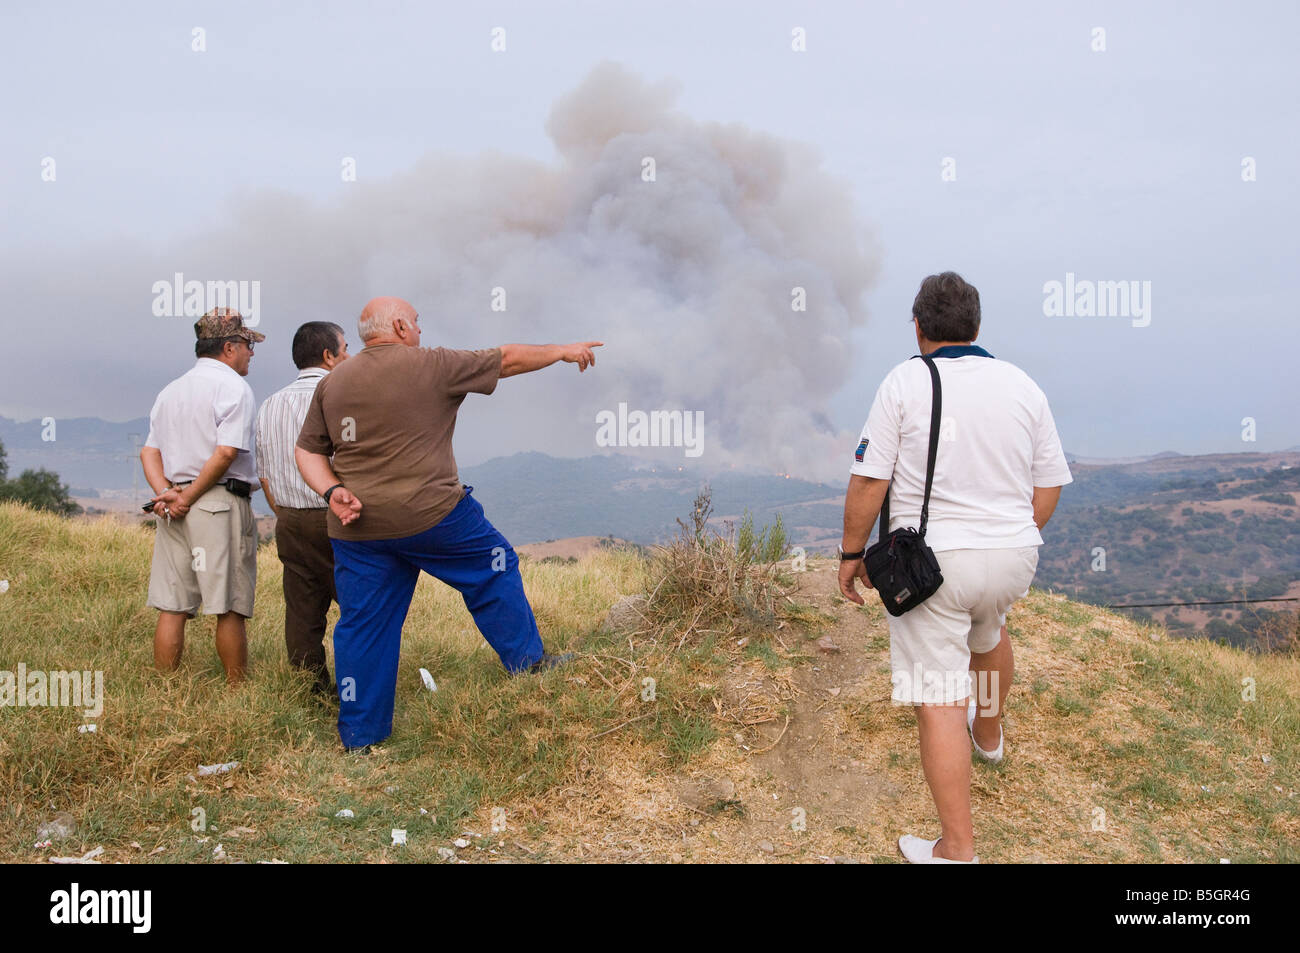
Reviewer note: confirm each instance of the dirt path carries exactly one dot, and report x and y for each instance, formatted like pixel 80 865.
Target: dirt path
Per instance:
pixel 817 782
pixel 814 762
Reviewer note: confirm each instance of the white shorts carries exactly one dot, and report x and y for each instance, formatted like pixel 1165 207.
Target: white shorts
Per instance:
pixel 930 646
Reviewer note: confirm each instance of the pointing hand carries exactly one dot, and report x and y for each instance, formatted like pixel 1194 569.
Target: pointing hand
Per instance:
pixel 581 354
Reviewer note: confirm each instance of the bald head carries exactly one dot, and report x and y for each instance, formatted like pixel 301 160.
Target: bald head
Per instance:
pixel 388 319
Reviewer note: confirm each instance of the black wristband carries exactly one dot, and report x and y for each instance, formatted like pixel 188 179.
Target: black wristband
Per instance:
pixel 848 557
pixel 327 493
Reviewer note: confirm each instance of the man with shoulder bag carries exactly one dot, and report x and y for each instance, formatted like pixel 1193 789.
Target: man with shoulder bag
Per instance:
pixel 965 449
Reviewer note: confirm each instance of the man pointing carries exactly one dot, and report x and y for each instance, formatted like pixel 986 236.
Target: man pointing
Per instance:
pixel 397 505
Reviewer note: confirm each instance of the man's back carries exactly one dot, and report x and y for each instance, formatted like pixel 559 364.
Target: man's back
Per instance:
pixel 208 406
pixel 279 420
pixel 387 415
pixel 997 441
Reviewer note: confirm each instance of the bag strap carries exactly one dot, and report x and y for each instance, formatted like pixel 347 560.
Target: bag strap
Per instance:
pixel 936 414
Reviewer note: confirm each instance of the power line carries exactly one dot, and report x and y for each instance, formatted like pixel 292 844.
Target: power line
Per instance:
pixel 1217 602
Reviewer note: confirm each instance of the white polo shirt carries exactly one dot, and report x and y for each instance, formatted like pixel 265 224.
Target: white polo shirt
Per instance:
pixel 996 443
pixel 208 406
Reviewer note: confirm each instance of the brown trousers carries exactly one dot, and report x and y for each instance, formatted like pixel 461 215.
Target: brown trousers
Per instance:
pixel 303 544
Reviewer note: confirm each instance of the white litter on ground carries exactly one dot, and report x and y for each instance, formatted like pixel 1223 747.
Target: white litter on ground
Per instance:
pixel 427 678
pixel 86 858
pixel 209 769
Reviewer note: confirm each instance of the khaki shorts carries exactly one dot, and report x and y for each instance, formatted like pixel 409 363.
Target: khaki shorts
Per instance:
pixel 209 557
pixel 930 646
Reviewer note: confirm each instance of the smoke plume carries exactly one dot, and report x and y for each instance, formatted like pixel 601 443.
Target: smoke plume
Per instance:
pixel 690 275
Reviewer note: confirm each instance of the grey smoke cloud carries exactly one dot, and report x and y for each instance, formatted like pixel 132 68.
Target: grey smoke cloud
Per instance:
pixel 687 278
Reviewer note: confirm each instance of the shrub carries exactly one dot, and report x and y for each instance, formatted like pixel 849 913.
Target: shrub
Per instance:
pixel 1282 499
pixel 720 583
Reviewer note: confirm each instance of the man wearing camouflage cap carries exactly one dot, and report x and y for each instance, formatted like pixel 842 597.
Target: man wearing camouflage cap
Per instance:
pixel 199 461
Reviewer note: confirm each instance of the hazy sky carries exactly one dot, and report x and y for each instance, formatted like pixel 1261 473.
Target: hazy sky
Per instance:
pixel 1117 165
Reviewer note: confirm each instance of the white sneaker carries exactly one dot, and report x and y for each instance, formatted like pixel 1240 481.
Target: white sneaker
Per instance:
pixel 996 754
pixel 918 851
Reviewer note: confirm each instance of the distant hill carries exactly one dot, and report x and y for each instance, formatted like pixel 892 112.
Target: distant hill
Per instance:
pixel 1181 529
pixel 86 452
pixel 1174 528
pixel 532 497
pixel 1118 461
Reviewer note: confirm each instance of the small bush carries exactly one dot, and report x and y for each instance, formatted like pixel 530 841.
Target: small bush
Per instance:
pixel 708 582
pixel 1280 632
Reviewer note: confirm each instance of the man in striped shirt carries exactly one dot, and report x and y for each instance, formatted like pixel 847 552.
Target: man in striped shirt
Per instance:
pixel 301 538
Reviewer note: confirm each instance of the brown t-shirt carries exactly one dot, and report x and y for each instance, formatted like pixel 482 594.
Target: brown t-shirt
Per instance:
pixel 387 416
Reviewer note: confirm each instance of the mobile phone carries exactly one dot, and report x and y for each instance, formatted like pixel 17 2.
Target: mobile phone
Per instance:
pixel 148 507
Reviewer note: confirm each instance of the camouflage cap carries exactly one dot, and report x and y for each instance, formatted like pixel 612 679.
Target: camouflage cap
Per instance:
pixel 225 323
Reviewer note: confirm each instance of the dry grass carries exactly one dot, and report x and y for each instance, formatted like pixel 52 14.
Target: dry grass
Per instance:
pixel 710 583
pixel 1107 714
pixel 1280 633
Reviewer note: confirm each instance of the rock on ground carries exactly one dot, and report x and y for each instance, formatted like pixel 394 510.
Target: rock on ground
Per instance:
pixel 627 614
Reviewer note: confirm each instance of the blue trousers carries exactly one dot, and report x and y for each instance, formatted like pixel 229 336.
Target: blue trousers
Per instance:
pixel 375 580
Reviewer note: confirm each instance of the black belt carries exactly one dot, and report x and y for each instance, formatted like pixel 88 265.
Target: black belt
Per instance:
pixel 237 487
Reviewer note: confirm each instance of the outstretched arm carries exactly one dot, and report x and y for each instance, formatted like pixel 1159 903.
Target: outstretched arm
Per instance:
pixel 523 358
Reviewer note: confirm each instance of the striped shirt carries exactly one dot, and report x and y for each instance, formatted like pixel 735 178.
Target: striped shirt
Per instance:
pixel 278 423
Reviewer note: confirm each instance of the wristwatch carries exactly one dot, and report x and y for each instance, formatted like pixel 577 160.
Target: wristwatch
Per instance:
pixel 846 557
pixel 327 493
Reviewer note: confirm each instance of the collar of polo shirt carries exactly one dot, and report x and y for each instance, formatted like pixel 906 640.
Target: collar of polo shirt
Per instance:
pixel 959 350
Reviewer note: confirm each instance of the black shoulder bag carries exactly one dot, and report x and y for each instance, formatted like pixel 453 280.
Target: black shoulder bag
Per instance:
pixel 901 566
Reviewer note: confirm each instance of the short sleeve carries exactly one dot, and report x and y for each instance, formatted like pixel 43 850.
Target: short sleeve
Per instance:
pixel 152 439
pixel 236 417
pixel 314 437
pixel 1050 467
pixel 468 372
pixel 877 449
